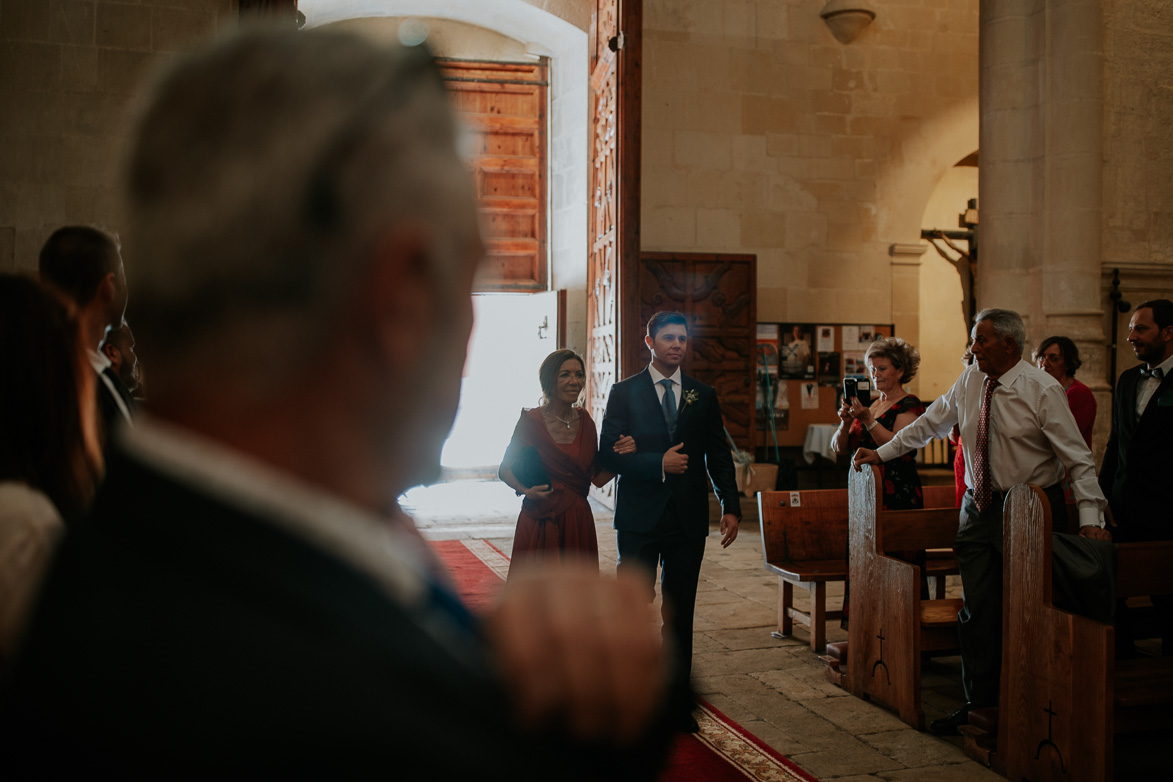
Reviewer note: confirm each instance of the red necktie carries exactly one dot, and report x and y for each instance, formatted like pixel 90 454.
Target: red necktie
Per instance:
pixel 982 490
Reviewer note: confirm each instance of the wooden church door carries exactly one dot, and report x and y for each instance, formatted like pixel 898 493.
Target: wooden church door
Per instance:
pixel 613 328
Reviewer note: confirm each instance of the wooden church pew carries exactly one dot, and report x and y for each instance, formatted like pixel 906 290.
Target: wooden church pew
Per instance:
pixel 1064 695
pixel 891 626
pixel 804 542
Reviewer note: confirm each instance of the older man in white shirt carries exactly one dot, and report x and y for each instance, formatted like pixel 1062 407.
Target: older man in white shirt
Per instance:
pixel 1016 427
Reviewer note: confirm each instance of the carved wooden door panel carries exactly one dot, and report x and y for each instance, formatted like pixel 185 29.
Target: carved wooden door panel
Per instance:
pixel 613 228
pixel 504 104
pixel 718 293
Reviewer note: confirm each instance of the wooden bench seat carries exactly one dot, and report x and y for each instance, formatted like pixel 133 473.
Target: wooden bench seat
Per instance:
pixel 1064 696
pixel 804 542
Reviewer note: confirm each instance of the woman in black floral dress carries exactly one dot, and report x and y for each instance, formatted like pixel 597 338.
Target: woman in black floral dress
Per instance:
pixel 892 362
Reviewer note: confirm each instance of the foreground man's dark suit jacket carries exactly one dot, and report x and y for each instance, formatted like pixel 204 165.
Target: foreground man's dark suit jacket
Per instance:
pixel 179 637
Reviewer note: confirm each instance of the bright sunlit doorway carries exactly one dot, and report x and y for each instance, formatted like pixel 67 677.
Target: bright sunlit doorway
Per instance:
pixel 513 333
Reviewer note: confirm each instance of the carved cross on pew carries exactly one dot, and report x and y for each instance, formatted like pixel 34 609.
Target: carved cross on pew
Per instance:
pixel 1051 714
pixel 880 661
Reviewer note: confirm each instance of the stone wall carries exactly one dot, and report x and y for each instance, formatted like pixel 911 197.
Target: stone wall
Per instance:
pixel 68 71
pixel 1138 157
pixel 764 134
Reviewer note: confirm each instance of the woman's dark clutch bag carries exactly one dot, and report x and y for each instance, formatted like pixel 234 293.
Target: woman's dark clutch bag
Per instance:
pixel 528 469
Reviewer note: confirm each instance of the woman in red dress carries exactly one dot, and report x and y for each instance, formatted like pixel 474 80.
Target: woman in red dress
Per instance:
pixel 556 522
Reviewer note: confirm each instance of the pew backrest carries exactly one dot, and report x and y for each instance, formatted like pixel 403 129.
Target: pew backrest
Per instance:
pixel 1059 701
pixel 799 526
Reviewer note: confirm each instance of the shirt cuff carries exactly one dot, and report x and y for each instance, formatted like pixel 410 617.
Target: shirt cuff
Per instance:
pixel 1090 516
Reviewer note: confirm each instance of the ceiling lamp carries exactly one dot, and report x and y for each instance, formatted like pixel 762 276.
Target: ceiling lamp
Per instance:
pixel 847 18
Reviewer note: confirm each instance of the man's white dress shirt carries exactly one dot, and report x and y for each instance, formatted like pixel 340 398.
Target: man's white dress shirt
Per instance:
pixel 1033 435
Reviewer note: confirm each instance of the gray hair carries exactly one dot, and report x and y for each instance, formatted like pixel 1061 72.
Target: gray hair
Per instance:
pixel 263 172
pixel 1006 323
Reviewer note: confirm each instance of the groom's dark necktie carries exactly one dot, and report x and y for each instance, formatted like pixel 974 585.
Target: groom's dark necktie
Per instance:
pixel 669 404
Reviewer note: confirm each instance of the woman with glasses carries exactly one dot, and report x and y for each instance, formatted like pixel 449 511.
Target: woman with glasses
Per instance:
pixel 1059 358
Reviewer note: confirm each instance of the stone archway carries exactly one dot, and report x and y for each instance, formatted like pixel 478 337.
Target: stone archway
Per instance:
pixel 904 190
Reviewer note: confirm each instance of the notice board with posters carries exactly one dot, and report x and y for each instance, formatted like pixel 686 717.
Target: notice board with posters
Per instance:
pixel 799 368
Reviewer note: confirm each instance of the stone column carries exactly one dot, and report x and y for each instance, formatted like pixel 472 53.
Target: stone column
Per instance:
pixel 1041 173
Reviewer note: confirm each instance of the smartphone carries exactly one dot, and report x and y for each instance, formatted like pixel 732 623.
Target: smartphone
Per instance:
pixel 861 389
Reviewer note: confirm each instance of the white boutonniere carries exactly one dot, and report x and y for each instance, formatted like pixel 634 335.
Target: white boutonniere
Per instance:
pixel 691 396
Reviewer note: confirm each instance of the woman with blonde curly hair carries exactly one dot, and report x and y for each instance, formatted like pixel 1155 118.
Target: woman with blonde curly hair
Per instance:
pixel 892 362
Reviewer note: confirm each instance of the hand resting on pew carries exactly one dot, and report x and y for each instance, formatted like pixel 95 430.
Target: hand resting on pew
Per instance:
pixel 865 456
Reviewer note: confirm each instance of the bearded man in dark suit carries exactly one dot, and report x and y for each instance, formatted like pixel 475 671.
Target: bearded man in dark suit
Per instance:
pixel 246 600
pixel 662 498
pixel 1139 459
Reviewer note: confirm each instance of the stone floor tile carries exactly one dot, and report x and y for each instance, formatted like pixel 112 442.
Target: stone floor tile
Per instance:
pixel 847 757
pixel 716 596
pixel 959 772
pixel 914 749
pixel 797 685
pixel 729 661
pixel 748 638
pixel 856 716
pixel 704 644
pixel 726 616
pixel 778 739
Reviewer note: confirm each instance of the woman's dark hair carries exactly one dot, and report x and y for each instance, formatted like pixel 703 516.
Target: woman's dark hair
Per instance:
pixel 903 356
pixel 1067 349
pixel 548 373
pixel 48 434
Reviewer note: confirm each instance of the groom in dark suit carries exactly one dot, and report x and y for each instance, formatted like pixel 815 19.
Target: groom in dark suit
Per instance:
pixel 1139 458
pixel 662 499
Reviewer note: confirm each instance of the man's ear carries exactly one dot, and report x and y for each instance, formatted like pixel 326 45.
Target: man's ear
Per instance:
pixel 651 343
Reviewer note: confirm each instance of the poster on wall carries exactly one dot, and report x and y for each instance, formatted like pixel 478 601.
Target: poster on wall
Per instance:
pixel 797 361
pixel 767 347
pixel 853 363
pixel 810 396
pixel 829 369
pixel 770 388
pixel 867 336
pixel 826 341
pixel 850 337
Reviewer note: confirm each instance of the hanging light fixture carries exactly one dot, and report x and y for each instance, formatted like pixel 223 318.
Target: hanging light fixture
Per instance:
pixel 847 18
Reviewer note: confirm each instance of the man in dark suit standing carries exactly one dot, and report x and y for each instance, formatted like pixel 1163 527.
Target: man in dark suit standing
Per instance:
pixel 662 498
pixel 84 264
pixel 1139 459
pixel 246 600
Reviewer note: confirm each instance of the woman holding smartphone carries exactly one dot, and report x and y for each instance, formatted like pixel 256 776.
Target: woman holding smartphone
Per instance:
pixel 891 362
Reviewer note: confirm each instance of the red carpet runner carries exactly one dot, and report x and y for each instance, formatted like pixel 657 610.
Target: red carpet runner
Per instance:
pixel 723 750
